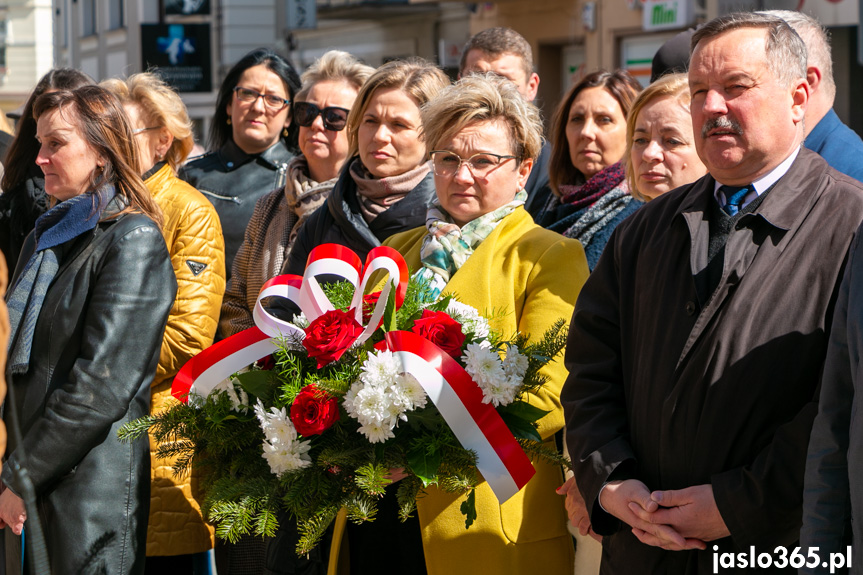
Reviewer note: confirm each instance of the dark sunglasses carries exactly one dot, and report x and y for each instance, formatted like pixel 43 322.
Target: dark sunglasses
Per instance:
pixel 335 119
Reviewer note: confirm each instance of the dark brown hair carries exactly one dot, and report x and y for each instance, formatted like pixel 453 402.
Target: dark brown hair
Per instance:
pixel 623 87
pixel 20 162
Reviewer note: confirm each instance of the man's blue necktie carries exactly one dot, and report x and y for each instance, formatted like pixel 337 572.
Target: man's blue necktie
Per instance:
pixel 734 198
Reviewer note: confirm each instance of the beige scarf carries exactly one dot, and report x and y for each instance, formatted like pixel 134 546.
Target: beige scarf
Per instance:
pixel 377 195
pixel 303 196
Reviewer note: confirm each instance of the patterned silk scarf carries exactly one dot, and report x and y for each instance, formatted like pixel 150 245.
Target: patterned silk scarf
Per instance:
pixel 65 221
pixel 446 247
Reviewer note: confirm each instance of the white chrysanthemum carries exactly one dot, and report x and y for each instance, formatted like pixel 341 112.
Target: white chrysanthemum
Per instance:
pixel 275 423
pixel 286 456
pixel 501 392
pixel 230 387
pixel 349 399
pixel 483 364
pixel 515 364
pixel 381 368
pixel 301 321
pixel 412 391
pixel 469 318
pixel 371 405
pixel 377 432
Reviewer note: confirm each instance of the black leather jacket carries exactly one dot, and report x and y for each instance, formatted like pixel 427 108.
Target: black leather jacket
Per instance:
pixel 339 221
pixel 234 180
pixel 95 348
pixel 19 209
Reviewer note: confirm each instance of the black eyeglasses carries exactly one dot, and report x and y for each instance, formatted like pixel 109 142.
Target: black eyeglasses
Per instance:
pixel 270 100
pixel 335 119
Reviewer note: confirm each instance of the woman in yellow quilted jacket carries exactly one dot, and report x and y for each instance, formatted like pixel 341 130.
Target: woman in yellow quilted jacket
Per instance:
pixel 177 535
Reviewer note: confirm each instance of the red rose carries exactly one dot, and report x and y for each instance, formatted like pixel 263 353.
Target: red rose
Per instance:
pixel 442 330
pixel 369 303
pixel 268 362
pixel 313 411
pixel 330 335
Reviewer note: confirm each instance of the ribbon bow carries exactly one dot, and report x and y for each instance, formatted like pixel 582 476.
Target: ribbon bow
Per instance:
pixel 221 360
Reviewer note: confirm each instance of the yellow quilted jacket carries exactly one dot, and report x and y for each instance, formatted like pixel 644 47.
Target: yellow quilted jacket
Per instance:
pixel 194 237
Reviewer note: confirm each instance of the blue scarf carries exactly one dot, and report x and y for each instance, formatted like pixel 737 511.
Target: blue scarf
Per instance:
pixel 65 221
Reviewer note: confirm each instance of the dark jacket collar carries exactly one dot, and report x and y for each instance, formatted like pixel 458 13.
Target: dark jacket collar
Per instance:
pixel 232 157
pixel 797 192
pixel 410 212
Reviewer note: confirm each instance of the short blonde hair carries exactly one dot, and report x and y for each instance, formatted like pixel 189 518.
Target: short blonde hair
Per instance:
pixel 334 66
pixel 668 86
pixel 484 98
pixel 161 104
pixel 418 78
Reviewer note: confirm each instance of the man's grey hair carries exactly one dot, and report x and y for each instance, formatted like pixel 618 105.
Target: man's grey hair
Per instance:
pixel 785 50
pixel 817 41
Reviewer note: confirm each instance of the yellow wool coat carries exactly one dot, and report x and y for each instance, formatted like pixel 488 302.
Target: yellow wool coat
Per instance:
pixel 524 277
pixel 194 236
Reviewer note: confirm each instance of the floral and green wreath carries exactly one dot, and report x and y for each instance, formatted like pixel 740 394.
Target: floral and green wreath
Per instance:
pixel 352 388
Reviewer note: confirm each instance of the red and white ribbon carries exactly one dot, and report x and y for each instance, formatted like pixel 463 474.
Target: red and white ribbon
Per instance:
pixel 477 426
pixel 221 360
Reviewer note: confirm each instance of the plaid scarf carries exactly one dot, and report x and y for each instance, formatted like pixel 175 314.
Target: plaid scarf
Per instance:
pixel 446 247
pixel 65 221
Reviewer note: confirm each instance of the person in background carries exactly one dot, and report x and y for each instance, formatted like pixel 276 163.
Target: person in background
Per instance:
pixel 87 308
pixel 509 55
pixel 660 144
pixel 386 184
pixel 483 137
pixel 177 535
pixel 825 132
pixel 697 344
pixel 320 109
pixel 251 142
pixel 23 198
pixel 587 174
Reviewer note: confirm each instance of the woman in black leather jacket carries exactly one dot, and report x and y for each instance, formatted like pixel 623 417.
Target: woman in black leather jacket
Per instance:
pixel 252 141
pixel 387 183
pixel 23 198
pixel 87 311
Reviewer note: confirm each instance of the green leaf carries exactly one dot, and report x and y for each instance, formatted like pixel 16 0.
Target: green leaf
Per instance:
pixel 259 383
pixel 424 462
pixel 468 509
pixel 524 410
pixel 390 323
pixel 520 428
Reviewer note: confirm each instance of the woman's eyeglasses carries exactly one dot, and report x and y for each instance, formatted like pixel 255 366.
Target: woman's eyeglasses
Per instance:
pixel 335 119
pixel 270 100
pixel 137 131
pixel 446 163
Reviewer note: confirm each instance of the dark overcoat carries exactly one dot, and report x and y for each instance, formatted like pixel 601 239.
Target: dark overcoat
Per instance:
pixel 833 488
pixel 95 348
pixel 678 388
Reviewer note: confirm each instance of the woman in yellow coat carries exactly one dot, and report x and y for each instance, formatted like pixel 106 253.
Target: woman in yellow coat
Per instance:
pixel 481 245
pixel 177 534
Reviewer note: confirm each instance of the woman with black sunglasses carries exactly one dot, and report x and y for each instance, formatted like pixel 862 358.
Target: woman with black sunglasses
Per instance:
pixel 320 109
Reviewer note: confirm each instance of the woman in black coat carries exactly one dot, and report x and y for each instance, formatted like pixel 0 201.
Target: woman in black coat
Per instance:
pixel 87 311
pixel 386 184
pixel 251 142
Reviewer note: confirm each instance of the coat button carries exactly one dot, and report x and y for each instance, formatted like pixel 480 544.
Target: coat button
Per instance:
pixel 690 308
pixel 230 164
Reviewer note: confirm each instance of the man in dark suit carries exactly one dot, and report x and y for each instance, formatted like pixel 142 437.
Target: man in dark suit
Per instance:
pixel 697 343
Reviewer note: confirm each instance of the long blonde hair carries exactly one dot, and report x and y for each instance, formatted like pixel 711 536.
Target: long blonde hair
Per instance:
pixel 160 104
